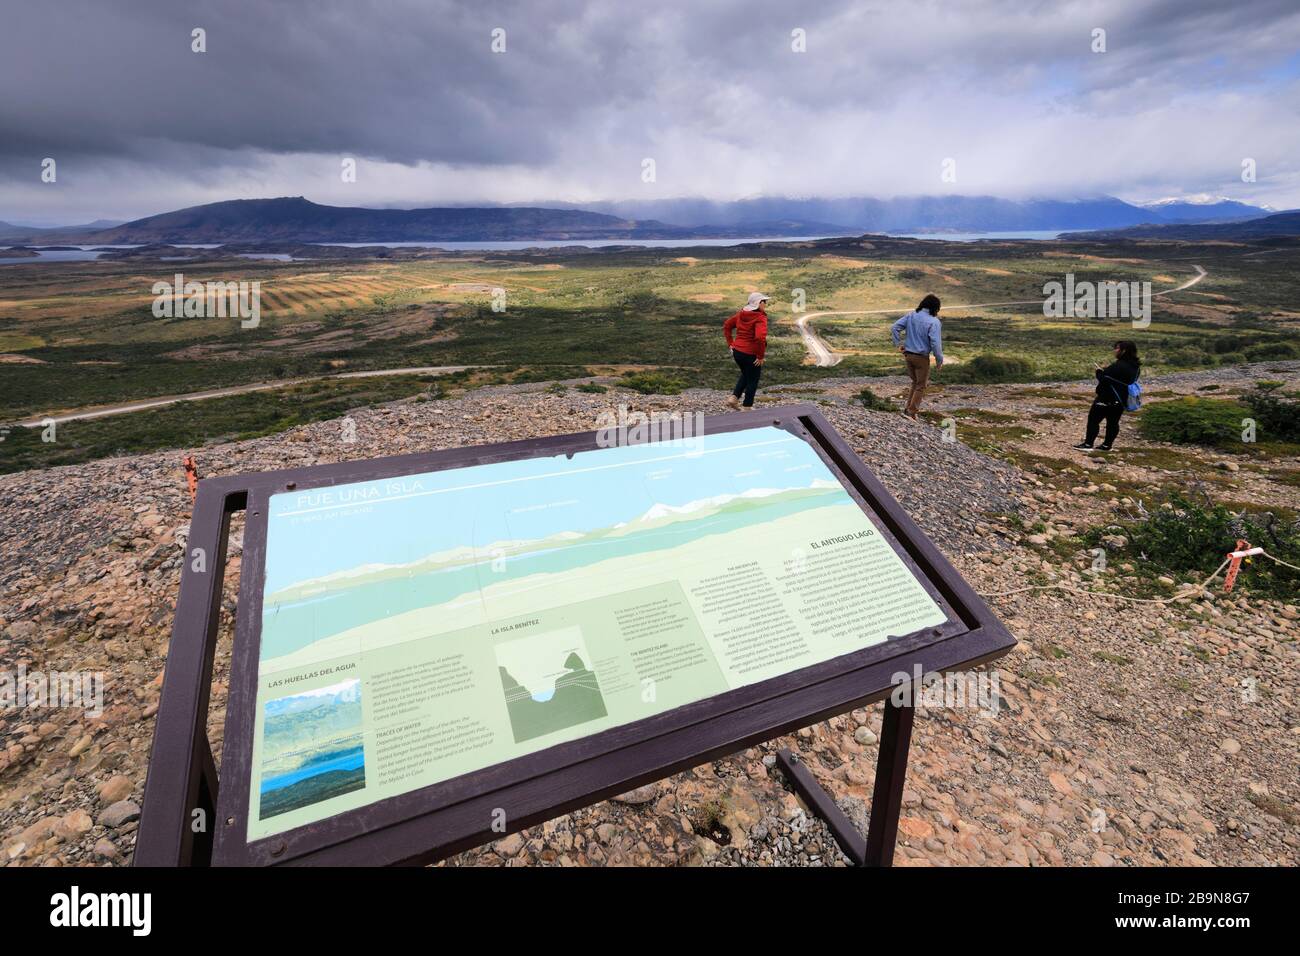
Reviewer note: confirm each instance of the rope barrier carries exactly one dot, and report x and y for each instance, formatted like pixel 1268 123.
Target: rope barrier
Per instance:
pixel 1234 558
pixel 1196 589
pixel 1285 564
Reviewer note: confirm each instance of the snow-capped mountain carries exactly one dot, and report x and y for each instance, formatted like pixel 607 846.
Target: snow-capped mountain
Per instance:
pixel 1202 207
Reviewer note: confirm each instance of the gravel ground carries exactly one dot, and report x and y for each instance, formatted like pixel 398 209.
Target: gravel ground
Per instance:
pixel 1125 734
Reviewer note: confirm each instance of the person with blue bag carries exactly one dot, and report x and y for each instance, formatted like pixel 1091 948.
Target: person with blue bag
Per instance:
pixel 1118 391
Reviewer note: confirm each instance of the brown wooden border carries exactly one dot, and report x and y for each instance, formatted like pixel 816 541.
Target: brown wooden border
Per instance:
pixel 447 817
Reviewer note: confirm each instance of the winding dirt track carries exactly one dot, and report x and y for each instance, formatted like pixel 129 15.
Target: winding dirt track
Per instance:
pixel 824 356
pixel 139 406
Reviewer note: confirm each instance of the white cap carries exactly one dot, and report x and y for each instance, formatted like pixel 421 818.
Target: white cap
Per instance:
pixel 754 299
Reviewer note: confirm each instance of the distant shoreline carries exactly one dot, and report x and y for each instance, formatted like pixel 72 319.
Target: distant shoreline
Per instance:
pixel 293 250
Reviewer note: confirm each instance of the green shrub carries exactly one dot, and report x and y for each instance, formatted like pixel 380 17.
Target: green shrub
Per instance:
pixel 871 400
pixel 1276 418
pixel 591 387
pixel 653 383
pixel 548 373
pixel 1271 352
pixel 992 368
pixel 1186 357
pixel 1189 539
pixel 1224 344
pixel 643 301
pixel 1232 358
pixel 1193 421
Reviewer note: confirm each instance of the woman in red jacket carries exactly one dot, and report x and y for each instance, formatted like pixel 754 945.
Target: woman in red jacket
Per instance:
pixel 746 334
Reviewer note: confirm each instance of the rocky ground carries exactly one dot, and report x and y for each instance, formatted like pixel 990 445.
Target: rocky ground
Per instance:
pixel 1126 734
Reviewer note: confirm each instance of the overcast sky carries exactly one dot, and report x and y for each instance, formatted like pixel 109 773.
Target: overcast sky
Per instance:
pixel 713 92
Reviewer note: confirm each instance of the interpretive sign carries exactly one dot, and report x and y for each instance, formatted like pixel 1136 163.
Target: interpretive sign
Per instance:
pixel 512 622
pixel 417 628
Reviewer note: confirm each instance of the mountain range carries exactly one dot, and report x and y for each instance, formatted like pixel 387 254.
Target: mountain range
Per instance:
pixel 1266 227
pixel 297 219
pixel 921 214
pixel 11 230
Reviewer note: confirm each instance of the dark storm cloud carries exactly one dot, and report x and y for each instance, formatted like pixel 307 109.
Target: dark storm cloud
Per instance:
pixel 585 90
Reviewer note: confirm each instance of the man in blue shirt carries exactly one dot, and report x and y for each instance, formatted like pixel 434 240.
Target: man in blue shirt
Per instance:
pixel 917 335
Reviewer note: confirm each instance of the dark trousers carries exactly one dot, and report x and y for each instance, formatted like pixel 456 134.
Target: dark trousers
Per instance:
pixel 1111 411
pixel 750 370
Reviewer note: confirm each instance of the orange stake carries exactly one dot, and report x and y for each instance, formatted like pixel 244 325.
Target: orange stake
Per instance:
pixel 192 476
pixel 1244 550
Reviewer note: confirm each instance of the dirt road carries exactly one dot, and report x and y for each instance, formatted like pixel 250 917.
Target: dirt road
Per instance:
pixel 139 406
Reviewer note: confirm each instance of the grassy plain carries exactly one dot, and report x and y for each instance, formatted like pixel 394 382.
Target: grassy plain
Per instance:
pixel 74 335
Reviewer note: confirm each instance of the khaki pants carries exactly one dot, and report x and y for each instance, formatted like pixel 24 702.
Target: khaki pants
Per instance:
pixel 918 370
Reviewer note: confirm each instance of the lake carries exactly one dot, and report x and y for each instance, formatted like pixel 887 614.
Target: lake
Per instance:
pixel 85 253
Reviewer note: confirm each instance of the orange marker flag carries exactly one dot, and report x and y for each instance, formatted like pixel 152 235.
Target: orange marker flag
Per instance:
pixel 192 476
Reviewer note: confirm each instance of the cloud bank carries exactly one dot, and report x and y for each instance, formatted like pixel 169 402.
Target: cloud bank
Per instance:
pixel 1010 90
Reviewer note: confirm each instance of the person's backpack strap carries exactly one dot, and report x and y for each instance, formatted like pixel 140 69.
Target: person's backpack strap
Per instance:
pixel 1122 398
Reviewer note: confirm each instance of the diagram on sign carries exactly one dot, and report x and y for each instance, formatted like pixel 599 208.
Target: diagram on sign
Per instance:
pixel 548 684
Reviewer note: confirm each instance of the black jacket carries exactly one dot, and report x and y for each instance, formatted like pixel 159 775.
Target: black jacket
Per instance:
pixel 1113 381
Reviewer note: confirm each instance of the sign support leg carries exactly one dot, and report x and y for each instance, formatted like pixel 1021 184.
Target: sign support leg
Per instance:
pixel 877 848
pixel 891 773
pixel 182 773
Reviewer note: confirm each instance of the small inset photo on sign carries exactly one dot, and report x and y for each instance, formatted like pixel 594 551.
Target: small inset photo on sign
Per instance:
pixel 548 683
pixel 312 748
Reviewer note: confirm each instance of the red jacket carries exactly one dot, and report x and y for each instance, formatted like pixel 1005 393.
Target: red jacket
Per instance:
pixel 747 332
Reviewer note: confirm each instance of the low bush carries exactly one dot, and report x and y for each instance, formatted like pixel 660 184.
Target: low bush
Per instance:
pixel 653 383
pixel 1271 352
pixel 871 400
pixel 992 369
pixel 1190 539
pixel 1186 357
pixel 1194 421
pixel 1276 417
pixel 548 373
pixel 1224 344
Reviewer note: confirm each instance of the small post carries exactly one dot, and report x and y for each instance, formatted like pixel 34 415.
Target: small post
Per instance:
pixel 191 476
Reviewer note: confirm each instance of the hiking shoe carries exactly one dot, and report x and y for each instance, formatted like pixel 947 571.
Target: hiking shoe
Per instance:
pixel 1082 446
pixel 1103 448
pixel 733 403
